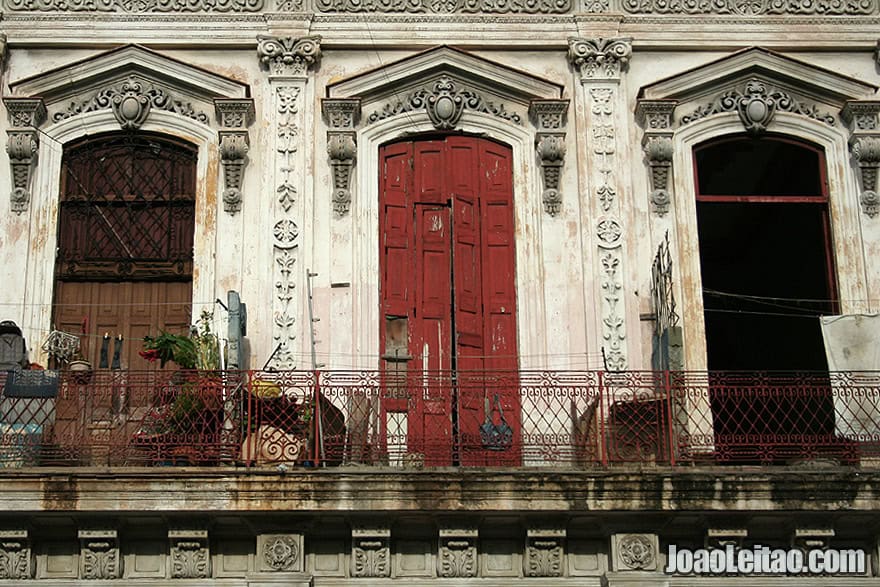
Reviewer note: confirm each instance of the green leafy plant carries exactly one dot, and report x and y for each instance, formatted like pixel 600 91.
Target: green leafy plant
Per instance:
pixel 200 349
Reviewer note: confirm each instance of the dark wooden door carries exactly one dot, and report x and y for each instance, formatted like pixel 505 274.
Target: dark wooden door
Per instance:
pixel 447 290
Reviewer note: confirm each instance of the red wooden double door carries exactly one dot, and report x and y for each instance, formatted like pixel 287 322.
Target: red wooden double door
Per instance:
pixel 448 297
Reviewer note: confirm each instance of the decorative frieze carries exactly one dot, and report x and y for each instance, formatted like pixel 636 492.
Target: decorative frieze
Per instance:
pixel 136 6
pixel 600 58
pixel 750 7
pixel 280 552
pixel 756 103
pixel 99 554
pixel 189 553
pixel 457 555
pixel 131 101
pixel 444 101
pixel 370 552
pixel 549 118
pixel 634 552
pixel 289 56
pixel 864 144
pixel 25 116
pixel 447 6
pixel 16 561
pixel 342 115
pixel 544 552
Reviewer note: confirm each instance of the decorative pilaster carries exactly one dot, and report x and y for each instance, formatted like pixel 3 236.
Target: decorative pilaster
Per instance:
pixel 600 63
pixel 280 552
pixel 864 143
pixel 16 561
pixel 457 555
pixel 549 118
pixel 342 115
pixel 370 552
pixel 25 116
pixel 288 61
pixel 99 554
pixel 656 118
pixel 190 553
pixel 234 116
pixel 544 552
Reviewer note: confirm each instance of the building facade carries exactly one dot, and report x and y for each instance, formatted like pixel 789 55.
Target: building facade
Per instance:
pixel 607 205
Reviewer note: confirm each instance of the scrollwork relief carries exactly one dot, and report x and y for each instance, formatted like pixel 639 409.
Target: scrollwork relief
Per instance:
pixel 457 558
pixel 600 58
pixel 370 558
pixel 751 7
pixel 543 558
pixel 99 555
pixel 190 559
pixel 448 6
pixel 233 150
pixel 866 152
pixel 25 116
pixel 135 6
pixel 612 317
pixel 15 555
pixel 288 56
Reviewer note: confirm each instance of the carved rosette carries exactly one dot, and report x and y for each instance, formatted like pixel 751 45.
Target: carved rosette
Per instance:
pixel 370 552
pixel 864 144
pixel 544 553
pixel 16 561
pixel 281 552
pixel 342 115
pixel 25 116
pixel 457 555
pixel 656 118
pixel 600 58
pixel 234 115
pixel 99 555
pixel 288 56
pixel 549 117
pixel 635 552
pixel 190 554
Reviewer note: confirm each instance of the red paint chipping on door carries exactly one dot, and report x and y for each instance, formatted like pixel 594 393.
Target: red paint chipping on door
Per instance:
pixel 448 297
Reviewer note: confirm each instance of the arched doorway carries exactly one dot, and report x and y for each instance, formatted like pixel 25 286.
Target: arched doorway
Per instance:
pixel 125 243
pixel 447 263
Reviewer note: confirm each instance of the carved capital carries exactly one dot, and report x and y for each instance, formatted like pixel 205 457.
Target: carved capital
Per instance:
pixel 457 555
pixel 341 113
pixel 866 151
pixel 190 553
pixel 658 153
pixel 281 552
pixel 600 59
pixel 634 552
pixel 233 150
pixel 25 112
pixel 544 552
pixel 549 115
pixel 551 153
pixel 341 148
pixel 234 112
pixel 655 115
pixel 16 561
pixel 287 56
pixel 99 554
pixel 370 552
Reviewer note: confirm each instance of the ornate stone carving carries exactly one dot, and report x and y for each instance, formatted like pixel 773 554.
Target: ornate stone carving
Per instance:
pixel 655 115
pixel 613 331
pixel 190 553
pixel 234 112
pixel 600 58
pixel 287 56
pixel 131 101
pixel 812 538
pixel 281 552
pixel 750 7
pixel 756 105
pixel 135 6
pixel 99 555
pixel 658 151
pixel 370 552
pixel 637 552
pixel 16 561
pixel 25 116
pixel 444 102
pixel 233 149
pixel 342 115
pixel 448 6
pixel 549 117
pixel 457 556
pixel 722 537
pixel 609 232
pixel 866 151
pixel 544 553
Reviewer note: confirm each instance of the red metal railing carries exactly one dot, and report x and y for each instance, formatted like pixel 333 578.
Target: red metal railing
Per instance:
pixel 426 419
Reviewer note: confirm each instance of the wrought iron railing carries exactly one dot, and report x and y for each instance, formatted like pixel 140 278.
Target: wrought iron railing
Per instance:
pixel 428 419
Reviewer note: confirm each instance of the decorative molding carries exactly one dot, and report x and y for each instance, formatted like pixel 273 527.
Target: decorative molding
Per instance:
pixel 613 326
pixel 233 114
pixel 599 59
pixel 25 116
pixel 190 554
pixel 544 553
pixel 447 6
pixel 342 115
pixel 370 552
pixel 135 6
pixel 288 56
pixel 457 554
pixel 864 144
pixel 281 552
pixel 609 232
pixel 756 105
pixel 656 118
pixel 131 101
pixel 549 117
pixel 99 555
pixel 635 552
pixel 750 7
pixel 444 103
pixel 16 561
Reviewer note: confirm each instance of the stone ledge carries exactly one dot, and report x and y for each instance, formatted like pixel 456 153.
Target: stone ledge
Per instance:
pixel 503 490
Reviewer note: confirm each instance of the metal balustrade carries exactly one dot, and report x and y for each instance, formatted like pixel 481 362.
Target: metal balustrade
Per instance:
pixel 416 419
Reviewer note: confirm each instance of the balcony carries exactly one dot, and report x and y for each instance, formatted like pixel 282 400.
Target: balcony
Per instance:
pixel 561 419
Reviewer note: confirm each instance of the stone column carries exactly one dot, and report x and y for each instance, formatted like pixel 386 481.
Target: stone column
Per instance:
pixel 288 61
pixel 600 63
